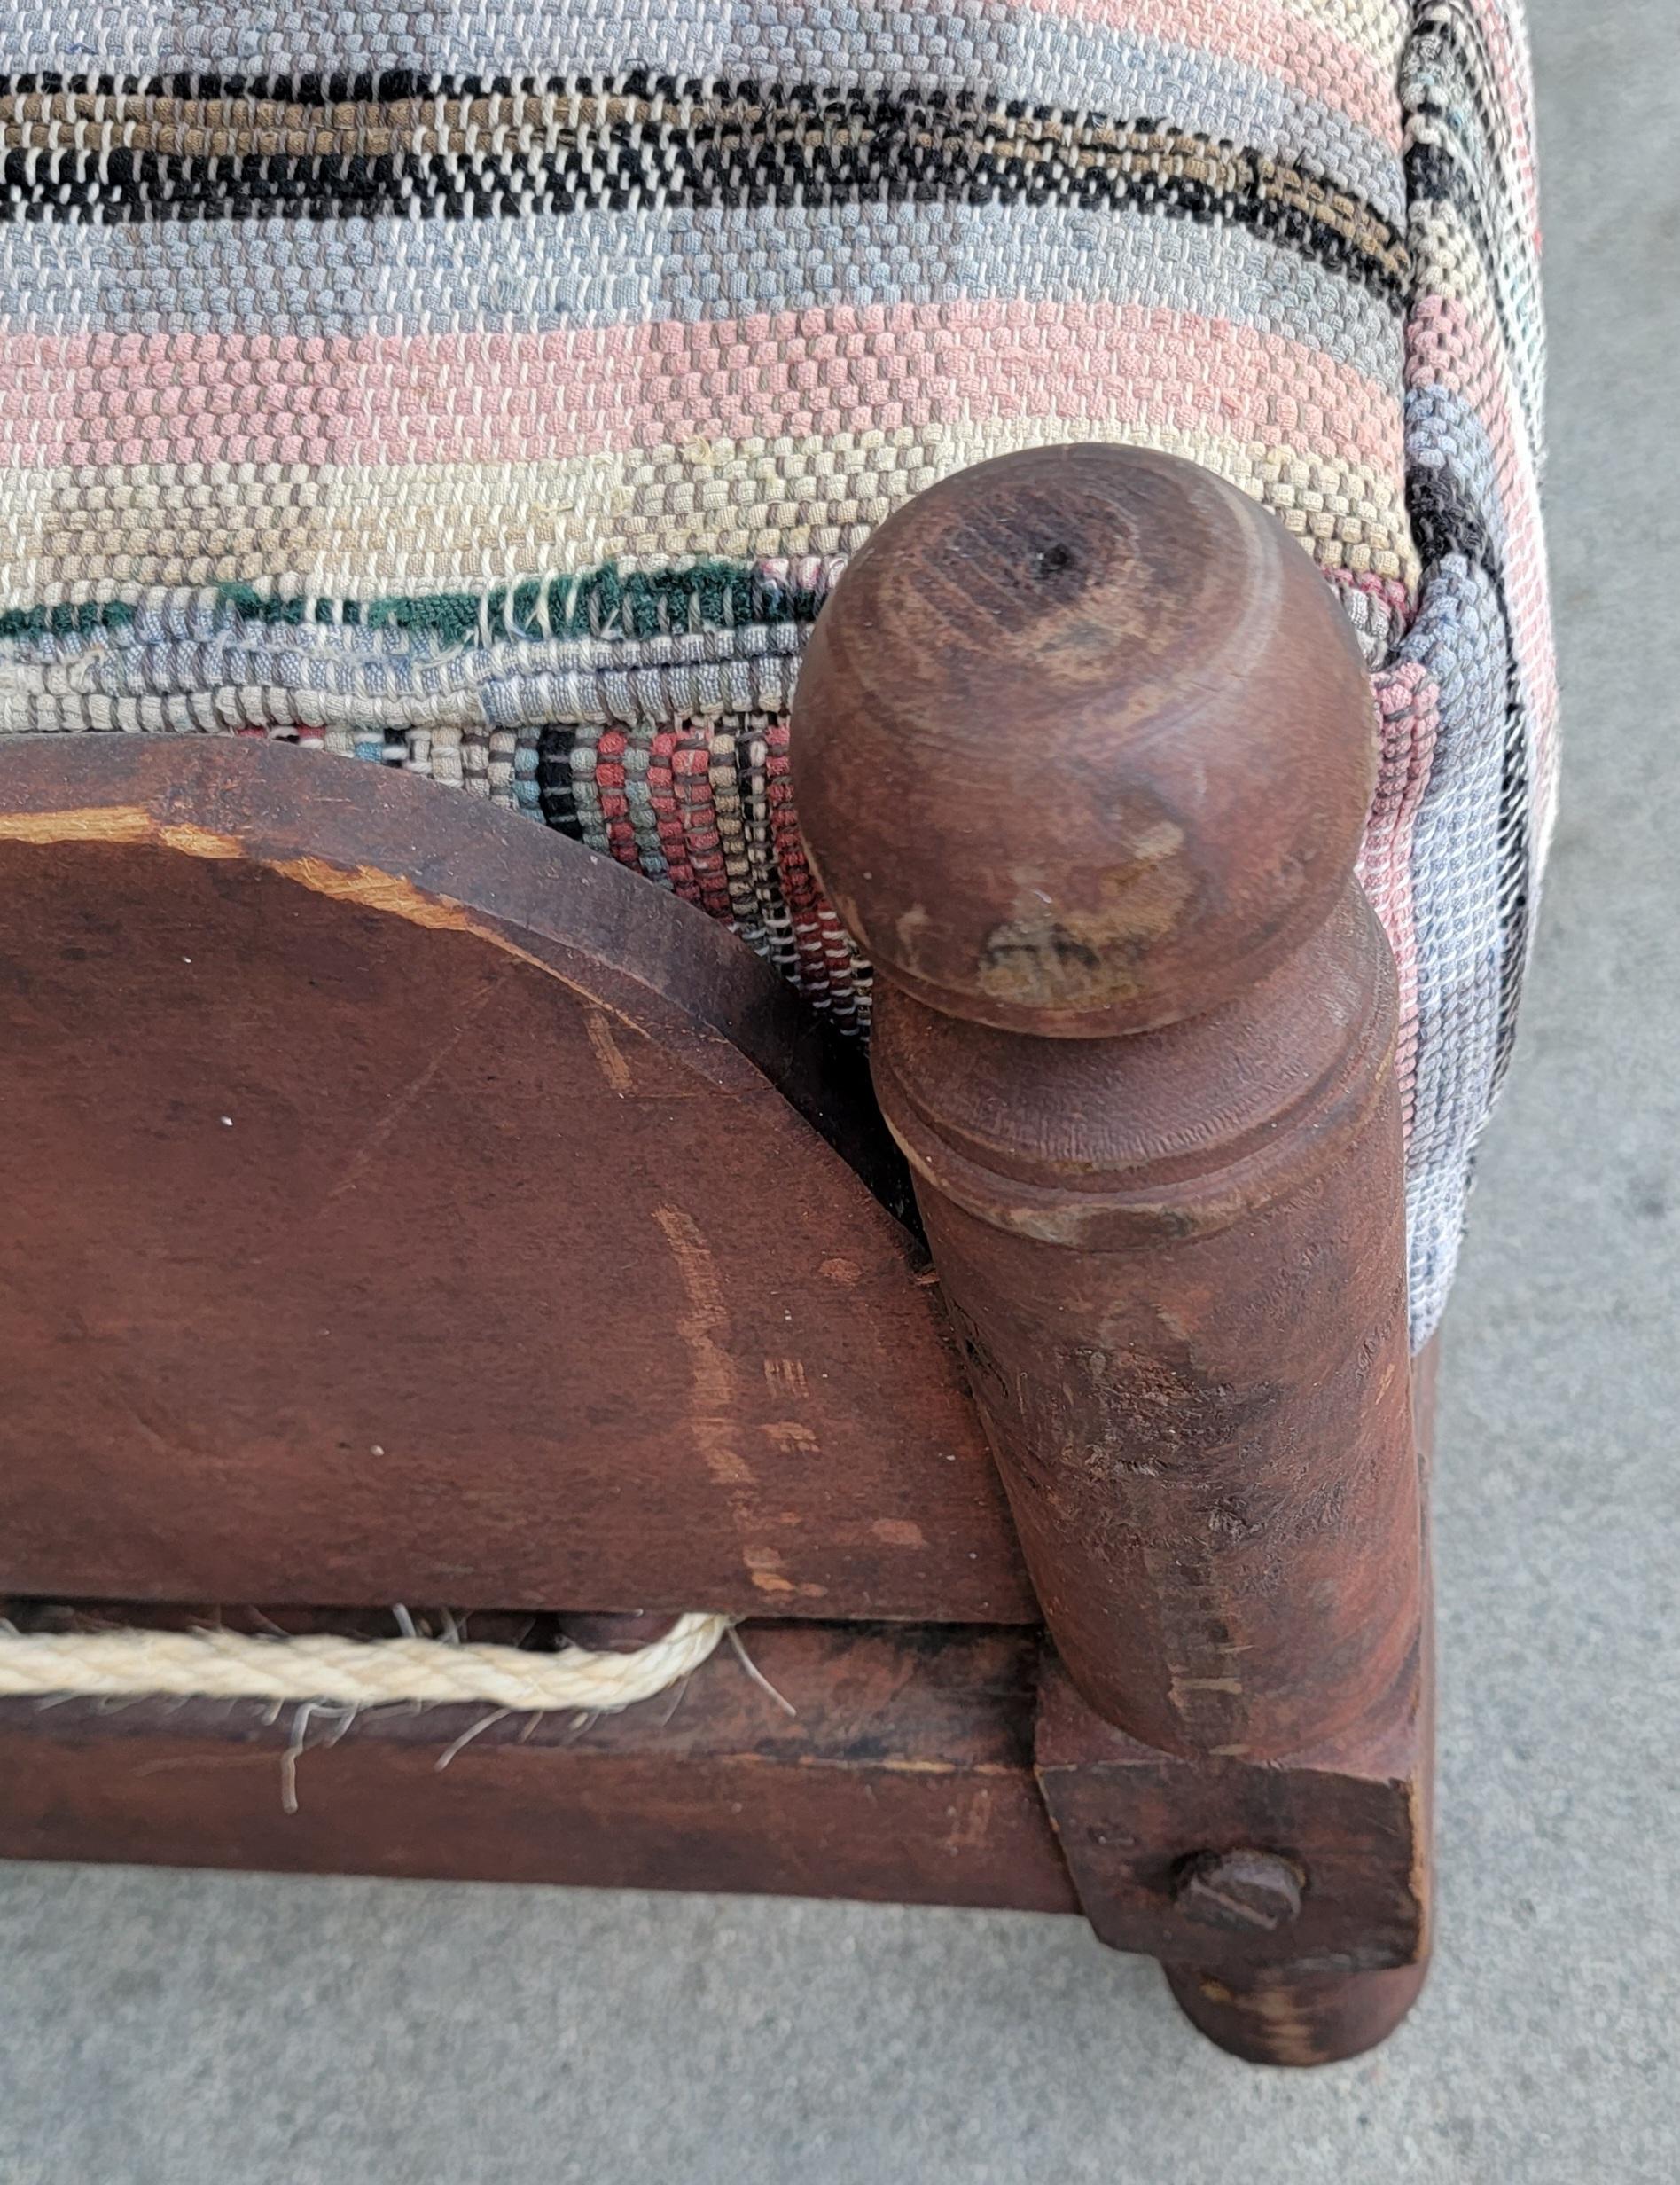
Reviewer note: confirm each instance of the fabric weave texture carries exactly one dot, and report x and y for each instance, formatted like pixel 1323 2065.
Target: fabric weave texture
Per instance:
pixel 497 393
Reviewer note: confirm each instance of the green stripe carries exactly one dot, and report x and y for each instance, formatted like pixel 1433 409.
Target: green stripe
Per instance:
pixel 604 602
pixel 67 620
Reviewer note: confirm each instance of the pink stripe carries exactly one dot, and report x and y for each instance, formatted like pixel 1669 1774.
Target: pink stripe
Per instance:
pixel 697 808
pixel 1281 44
pixel 1447 346
pixel 109 401
pixel 1514 79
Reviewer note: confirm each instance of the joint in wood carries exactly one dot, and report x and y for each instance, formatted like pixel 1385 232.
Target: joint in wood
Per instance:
pixel 1195 1860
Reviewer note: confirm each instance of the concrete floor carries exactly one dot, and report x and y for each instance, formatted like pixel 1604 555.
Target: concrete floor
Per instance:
pixel 164 2029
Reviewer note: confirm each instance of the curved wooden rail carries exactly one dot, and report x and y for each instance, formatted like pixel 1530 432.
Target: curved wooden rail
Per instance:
pixel 406 1204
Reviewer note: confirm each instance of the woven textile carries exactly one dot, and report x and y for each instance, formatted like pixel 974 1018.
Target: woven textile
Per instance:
pixel 496 393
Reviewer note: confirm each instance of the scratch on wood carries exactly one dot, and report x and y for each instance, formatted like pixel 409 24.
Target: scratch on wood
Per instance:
pixel 969 1830
pixel 98 823
pixel 765 1566
pixel 792 1438
pixel 405 1096
pixel 704 1332
pixel 1417 1866
pixel 614 1069
pixel 367 886
pixel 375 890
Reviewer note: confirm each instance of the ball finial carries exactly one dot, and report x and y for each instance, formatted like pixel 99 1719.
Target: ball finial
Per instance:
pixel 1082 744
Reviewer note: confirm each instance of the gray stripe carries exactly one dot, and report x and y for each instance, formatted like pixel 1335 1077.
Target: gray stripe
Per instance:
pixel 993 45
pixel 173 668
pixel 1444 433
pixel 388 277
pixel 1459 637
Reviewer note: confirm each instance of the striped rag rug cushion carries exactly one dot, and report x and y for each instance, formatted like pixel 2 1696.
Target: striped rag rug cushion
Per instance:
pixel 497 392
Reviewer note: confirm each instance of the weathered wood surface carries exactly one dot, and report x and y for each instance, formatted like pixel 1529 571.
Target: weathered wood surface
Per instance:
pixel 405 1205
pixel 1143 1831
pixel 1298 2020
pixel 905 1775
pixel 1290 1902
pixel 1084 747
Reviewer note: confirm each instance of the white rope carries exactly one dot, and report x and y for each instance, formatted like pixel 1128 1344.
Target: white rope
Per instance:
pixel 345 1672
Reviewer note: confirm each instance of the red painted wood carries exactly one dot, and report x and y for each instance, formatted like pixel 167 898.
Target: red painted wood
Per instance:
pixel 398 1210
pixel 905 1775
pixel 1084 748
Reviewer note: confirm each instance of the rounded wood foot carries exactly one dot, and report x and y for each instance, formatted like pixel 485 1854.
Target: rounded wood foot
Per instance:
pixel 1297 2018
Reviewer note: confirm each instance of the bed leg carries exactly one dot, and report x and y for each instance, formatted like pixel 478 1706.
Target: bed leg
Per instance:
pixel 1084 748
pixel 1298 2018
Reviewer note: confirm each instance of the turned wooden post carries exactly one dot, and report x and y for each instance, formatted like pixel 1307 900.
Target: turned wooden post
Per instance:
pixel 1084 748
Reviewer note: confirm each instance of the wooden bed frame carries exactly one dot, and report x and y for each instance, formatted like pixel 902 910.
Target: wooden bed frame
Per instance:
pixel 408 1205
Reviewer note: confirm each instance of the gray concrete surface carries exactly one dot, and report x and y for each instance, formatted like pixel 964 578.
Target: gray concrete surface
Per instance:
pixel 161 2029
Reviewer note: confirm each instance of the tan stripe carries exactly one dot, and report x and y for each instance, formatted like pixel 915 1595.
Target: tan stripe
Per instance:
pixel 229 127
pixel 379 531
pixel 1453 259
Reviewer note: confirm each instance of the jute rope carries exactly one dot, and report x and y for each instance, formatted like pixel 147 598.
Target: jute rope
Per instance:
pixel 345 1672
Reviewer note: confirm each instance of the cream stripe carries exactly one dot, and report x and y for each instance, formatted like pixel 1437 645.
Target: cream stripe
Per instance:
pixel 1458 270
pixel 382 530
pixel 1376 26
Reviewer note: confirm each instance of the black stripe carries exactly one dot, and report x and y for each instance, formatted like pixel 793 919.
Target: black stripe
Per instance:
pixel 554 780
pixel 1516 906
pixel 1445 520
pixel 392 86
pixel 1436 176
pixel 930 150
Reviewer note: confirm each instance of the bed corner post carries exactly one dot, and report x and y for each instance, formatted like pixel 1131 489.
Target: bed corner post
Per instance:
pixel 1084 748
